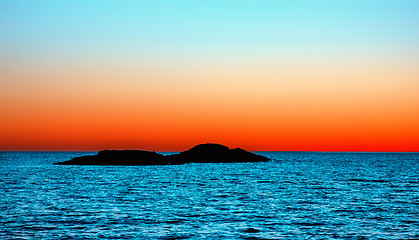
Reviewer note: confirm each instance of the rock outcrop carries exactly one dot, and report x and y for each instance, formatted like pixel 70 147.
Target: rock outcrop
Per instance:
pixel 202 153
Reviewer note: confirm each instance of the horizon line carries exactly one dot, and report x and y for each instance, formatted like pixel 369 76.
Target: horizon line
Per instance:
pixel 284 151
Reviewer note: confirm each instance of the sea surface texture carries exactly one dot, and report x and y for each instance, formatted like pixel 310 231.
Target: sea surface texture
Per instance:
pixel 294 196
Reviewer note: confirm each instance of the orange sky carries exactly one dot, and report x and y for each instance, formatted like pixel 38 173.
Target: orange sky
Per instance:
pixel 265 106
pixel 166 75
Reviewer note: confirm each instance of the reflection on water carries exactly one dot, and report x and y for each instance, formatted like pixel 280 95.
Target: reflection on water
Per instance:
pixel 295 196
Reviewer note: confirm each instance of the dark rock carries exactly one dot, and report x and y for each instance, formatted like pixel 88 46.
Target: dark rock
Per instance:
pixel 118 157
pixel 215 153
pixel 203 153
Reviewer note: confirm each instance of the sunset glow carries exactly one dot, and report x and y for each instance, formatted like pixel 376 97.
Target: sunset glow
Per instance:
pixel 164 77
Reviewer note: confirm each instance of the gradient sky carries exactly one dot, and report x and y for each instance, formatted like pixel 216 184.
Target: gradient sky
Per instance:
pixel 159 75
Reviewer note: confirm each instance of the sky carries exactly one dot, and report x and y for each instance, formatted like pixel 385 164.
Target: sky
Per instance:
pixel 165 75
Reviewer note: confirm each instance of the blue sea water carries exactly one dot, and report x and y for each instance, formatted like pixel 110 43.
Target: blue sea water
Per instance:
pixel 294 196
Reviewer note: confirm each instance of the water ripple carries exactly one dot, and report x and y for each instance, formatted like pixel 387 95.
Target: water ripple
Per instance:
pixel 296 196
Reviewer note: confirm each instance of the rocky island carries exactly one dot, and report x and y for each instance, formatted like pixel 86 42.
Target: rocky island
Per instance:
pixel 202 153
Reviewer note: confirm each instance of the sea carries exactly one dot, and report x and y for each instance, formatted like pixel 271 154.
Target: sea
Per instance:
pixel 296 195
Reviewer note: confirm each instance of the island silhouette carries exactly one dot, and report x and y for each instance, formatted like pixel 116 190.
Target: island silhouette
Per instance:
pixel 202 153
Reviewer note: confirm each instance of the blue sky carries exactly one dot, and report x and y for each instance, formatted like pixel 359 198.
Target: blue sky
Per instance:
pixel 270 75
pixel 132 28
